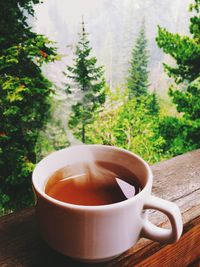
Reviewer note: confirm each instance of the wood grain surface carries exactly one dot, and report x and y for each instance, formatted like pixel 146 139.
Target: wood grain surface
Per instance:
pixel 177 180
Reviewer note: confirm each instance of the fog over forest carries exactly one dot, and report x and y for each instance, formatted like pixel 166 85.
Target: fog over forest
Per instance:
pixel 112 26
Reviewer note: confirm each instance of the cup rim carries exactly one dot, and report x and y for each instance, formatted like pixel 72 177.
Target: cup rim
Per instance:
pixel 95 207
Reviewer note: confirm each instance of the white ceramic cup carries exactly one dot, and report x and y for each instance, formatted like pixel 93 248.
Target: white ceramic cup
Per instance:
pixel 99 233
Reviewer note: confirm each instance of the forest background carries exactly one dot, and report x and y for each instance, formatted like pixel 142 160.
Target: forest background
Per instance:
pixel 130 78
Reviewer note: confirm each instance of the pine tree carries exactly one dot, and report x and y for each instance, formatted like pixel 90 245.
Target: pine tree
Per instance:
pixel 137 80
pixel 89 81
pixel 24 100
pixel 185 50
pixel 152 104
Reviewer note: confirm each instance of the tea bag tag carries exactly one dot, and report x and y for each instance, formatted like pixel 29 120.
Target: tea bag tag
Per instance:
pixel 127 189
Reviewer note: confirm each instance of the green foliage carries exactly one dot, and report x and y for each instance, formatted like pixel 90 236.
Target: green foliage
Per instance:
pixel 91 86
pixel 175 132
pixel 25 96
pixel 54 135
pixel 52 138
pixel 167 108
pixel 195 20
pixel 188 102
pixel 128 124
pixel 183 134
pixel 185 50
pixel 152 104
pixel 137 80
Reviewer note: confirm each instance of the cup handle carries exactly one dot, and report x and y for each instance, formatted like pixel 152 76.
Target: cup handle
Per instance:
pixel 159 234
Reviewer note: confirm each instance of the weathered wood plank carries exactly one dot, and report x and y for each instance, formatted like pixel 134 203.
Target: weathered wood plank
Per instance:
pixel 182 253
pixel 177 180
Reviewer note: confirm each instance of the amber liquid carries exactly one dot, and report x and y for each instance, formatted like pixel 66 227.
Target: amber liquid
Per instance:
pixel 83 189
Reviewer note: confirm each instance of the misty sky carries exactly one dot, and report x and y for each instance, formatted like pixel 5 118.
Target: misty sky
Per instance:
pixel 69 11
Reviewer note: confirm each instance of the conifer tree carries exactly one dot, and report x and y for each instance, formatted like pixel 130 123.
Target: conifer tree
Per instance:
pixel 24 100
pixel 152 104
pixel 90 84
pixel 137 79
pixel 185 50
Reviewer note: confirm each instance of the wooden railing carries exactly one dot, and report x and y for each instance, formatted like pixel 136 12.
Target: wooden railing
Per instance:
pixel 177 180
